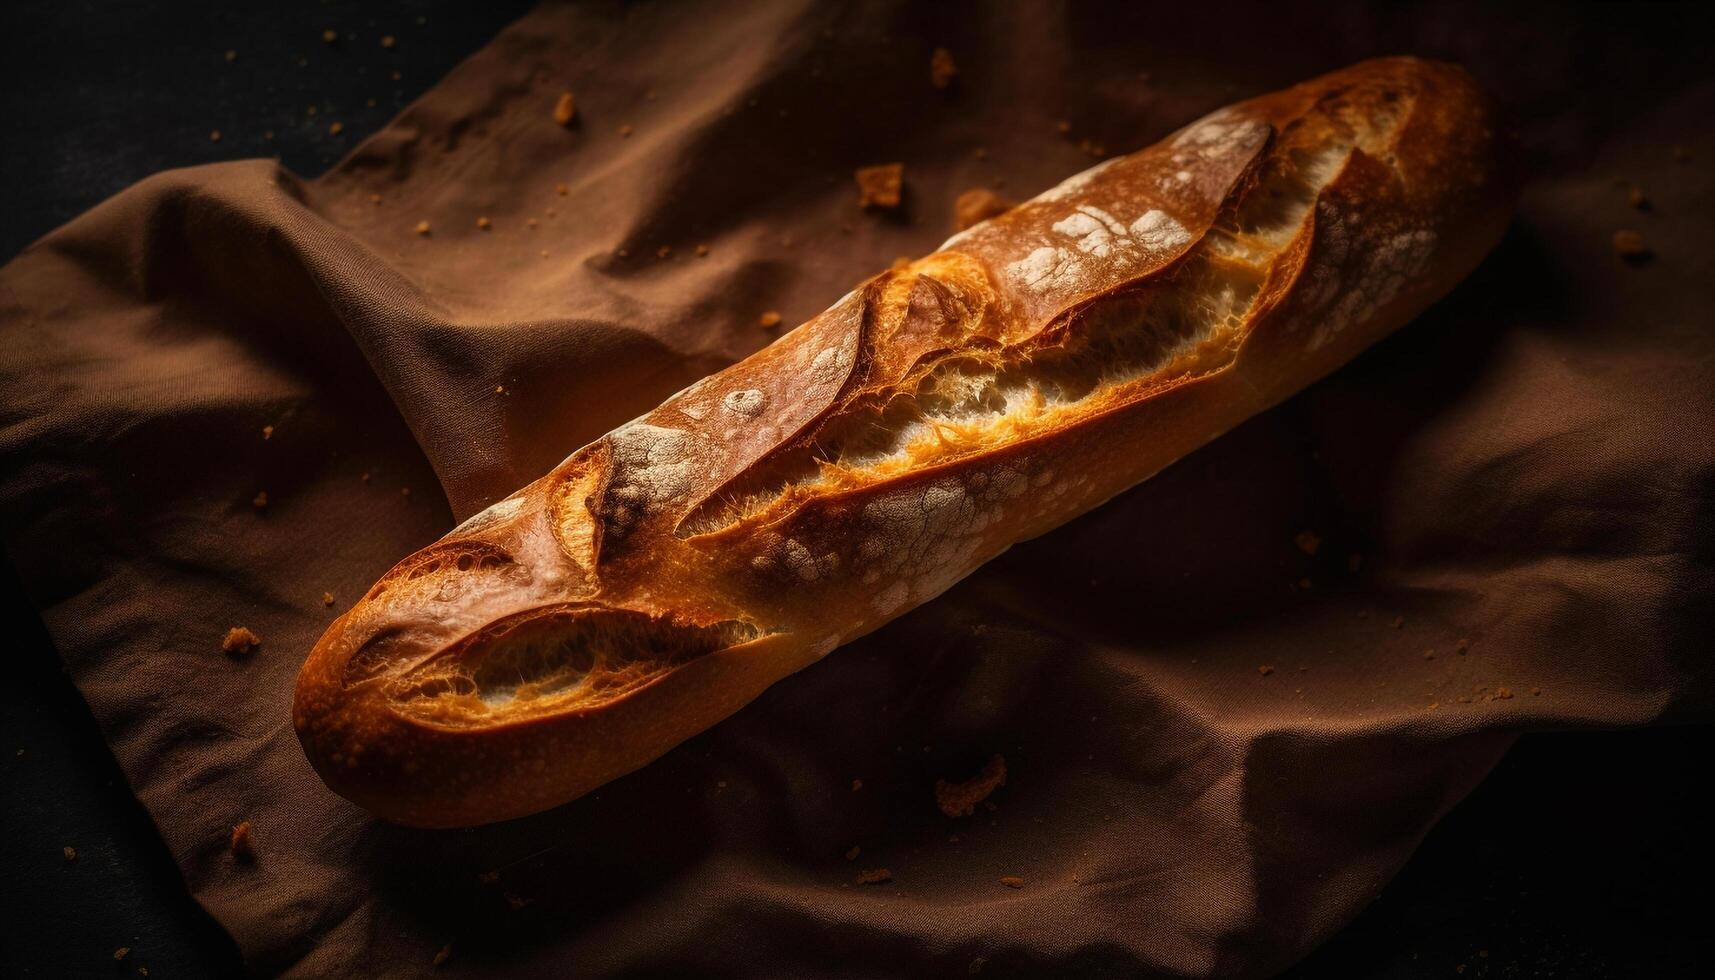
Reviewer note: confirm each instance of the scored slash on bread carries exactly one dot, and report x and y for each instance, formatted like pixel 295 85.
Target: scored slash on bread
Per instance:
pixel 1036 365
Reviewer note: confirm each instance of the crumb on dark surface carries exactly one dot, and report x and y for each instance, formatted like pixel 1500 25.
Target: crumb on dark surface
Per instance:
pixel 961 799
pixel 1012 881
pixel 442 955
pixel 880 186
pixel 240 844
pixel 1630 245
pixel 1265 670
pixel 565 108
pixel 327 598
pixel 874 876
pixel 852 855
pixel 483 223
pixel 942 69
pixel 768 320
pixel 120 954
pixel 1307 541
pixel 69 852
pixel 422 227
pixel 1399 622
pixel 977 205
pixel 240 640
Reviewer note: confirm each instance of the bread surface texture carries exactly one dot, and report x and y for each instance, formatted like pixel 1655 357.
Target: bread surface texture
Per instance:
pixel 1036 365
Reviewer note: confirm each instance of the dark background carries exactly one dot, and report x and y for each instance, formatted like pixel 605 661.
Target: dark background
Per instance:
pixel 1583 855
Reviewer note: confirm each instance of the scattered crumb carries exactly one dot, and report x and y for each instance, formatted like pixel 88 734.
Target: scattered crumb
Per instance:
pixel 981 152
pixel 1399 622
pixel 625 131
pixel 500 389
pixel 388 41
pixel 880 186
pixel 334 129
pixel 327 598
pixel 1462 647
pixel 330 35
pixel 239 844
pixel 544 253
pixel 1504 693
pixel 239 640
pixel 665 251
pixel 852 855
pixel 624 253
pixel 1429 654
pixel 260 501
pixel 267 432
pixel 857 784
pixel 142 971
pixel 120 954
pixel 565 108
pixel 941 68
pixel 529 222
pixel 364 476
pixel 488 877
pixel 516 902
pixel 1093 148
pixel 442 955
pixel 1630 245
pixel 1265 670
pixel 214 136
pixel 1012 881
pixel 874 876
pixel 231 55
pixel 375 199
pixel 1635 197
pixel 961 799
pixel 1308 541
pixel 976 205
pixel 1063 127
pixel 483 222
pixel 70 853
pixel 1434 705
pixel 1536 692
pixel 769 320
pixel 404 491
pixel 422 227
pixel 702 250
pixel 562 190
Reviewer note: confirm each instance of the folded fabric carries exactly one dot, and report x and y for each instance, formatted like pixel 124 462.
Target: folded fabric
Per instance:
pixel 1229 703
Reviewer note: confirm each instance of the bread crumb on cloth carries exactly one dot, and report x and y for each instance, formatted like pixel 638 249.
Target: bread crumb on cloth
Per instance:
pixel 880 186
pixel 334 129
pixel 852 855
pixel 239 844
pixel 1012 881
pixel 1630 245
pixel 260 501
pixel 327 598
pixel 565 108
pixel 769 320
pixel 442 955
pixel 961 799
pixel 942 69
pixel 120 954
pixel 483 223
pixel 330 35
pixel 69 852
pixel 874 876
pixel 422 227
pixel 1308 541
pixel 240 639
pixel 1265 670
pixel 977 205
pixel 389 41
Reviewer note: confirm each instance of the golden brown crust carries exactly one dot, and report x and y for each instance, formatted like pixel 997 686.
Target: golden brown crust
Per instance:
pixel 1038 364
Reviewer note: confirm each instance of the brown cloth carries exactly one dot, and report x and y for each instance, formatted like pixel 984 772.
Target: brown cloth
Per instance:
pixel 1222 737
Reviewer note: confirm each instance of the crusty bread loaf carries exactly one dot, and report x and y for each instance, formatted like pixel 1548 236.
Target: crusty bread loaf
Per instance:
pixel 1035 366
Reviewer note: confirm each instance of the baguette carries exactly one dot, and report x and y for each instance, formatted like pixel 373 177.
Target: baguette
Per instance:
pixel 1036 365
